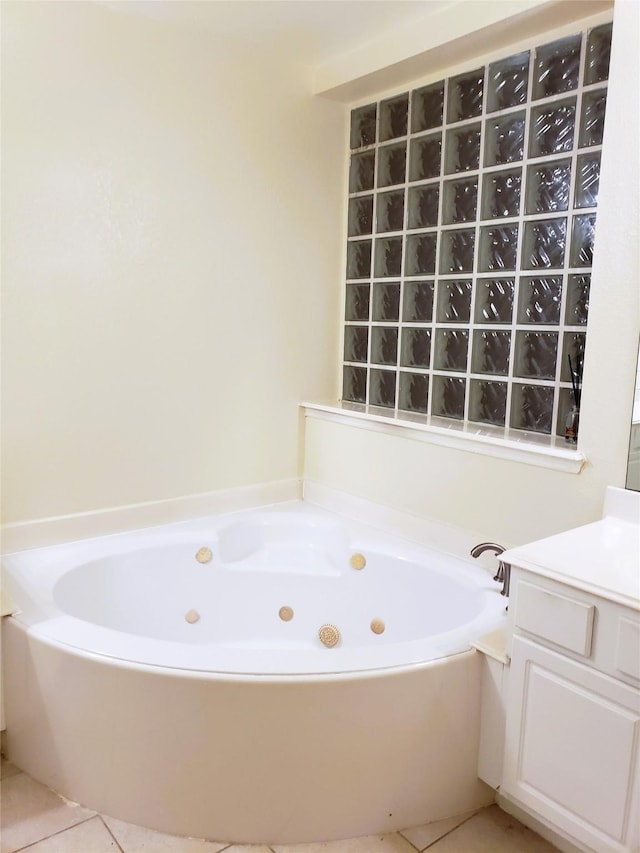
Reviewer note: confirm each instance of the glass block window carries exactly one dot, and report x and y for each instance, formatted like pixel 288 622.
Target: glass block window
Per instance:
pixel 470 232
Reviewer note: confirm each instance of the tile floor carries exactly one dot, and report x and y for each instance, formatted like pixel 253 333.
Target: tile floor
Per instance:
pixel 35 819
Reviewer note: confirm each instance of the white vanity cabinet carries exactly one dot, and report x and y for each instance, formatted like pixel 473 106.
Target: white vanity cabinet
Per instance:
pixel 572 744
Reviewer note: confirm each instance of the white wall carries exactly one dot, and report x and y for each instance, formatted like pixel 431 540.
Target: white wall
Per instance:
pixel 508 501
pixel 171 259
pixel 457 31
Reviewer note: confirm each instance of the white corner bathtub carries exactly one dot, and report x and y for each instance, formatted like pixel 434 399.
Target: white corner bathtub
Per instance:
pixel 175 677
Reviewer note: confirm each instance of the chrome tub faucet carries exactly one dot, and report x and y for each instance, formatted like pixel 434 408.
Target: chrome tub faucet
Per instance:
pixel 503 575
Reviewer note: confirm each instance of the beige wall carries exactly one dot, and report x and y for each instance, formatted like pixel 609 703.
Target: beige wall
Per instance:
pixel 171 259
pixel 510 501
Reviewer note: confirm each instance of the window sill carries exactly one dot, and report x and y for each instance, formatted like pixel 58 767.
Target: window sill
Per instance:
pixel 504 443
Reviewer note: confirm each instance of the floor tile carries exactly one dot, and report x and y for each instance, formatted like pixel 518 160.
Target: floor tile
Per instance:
pixel 422 836
pixel 391 843
pixel 31 812
pixel 492 831
pixel 8 769
pixel 136 839
pixel 248 848
pixel 91 836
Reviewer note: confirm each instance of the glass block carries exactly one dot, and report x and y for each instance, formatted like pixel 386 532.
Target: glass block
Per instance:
pixel 423 206
pixel 488 402
pixel 384 345
pixel 548 187
pixel 390 211
pixel 414 392
pixel 557 67
pixel 363 126
pixel 354 384
pixel 463 149
pixel 536 354
pixel 504 139
pixel 417 302
pixel 360 216
pixel 594 106
pixel 508 81
pixel 460 201
pixel 532 407
pixel 540 299
pixel 490 352
pixel 552 128
pixel 420 254
pixel 359 259
pixel 501 194
pixel 544 244
pixel 426 107
pixel 465 96
pixel 425 155
pixel 577 301
pixel 361 172
pixel 587 180
pixel 382 388
pixel 494 300
pixel 573 344
pixel 457 250
pixel 389 324
pixel 357 302
pixel 598 54
pixel 386 302
pixel 498 248
pixel 392 162
pixel 582 237
pixel 394 117
pixel 356 341
pixel 451 349
pixel 448 397
pixel 388 257
pixel 454 301
pixel 415 350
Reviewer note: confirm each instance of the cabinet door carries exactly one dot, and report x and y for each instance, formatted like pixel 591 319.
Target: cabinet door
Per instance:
pixel 571 750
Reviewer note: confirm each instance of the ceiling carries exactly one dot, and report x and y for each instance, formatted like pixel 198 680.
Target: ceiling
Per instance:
pixel 314 29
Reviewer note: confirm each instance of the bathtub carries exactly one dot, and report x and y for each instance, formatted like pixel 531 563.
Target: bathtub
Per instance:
pixel 269 676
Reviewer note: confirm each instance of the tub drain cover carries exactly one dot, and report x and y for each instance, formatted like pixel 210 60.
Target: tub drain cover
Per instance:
pixel 329 635
pixel 192 616
pixel 377 626
pixel 204 555
pixel 286 613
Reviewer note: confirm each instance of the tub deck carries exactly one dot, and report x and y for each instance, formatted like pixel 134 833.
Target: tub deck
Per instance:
pixel 208 596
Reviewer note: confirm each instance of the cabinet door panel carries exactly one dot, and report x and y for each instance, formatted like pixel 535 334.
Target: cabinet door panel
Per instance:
pixel 572 744
pixel 576 749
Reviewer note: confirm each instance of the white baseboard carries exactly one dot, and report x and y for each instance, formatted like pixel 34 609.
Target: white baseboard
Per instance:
pixel 542 829
pixel 44 532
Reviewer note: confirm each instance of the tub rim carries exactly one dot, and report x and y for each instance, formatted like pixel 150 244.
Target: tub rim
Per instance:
pixel 33 635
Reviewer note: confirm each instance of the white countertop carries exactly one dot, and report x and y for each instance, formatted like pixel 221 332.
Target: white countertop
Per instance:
pixel 602 558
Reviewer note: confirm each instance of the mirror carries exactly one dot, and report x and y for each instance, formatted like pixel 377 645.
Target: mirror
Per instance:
pixel 633 466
